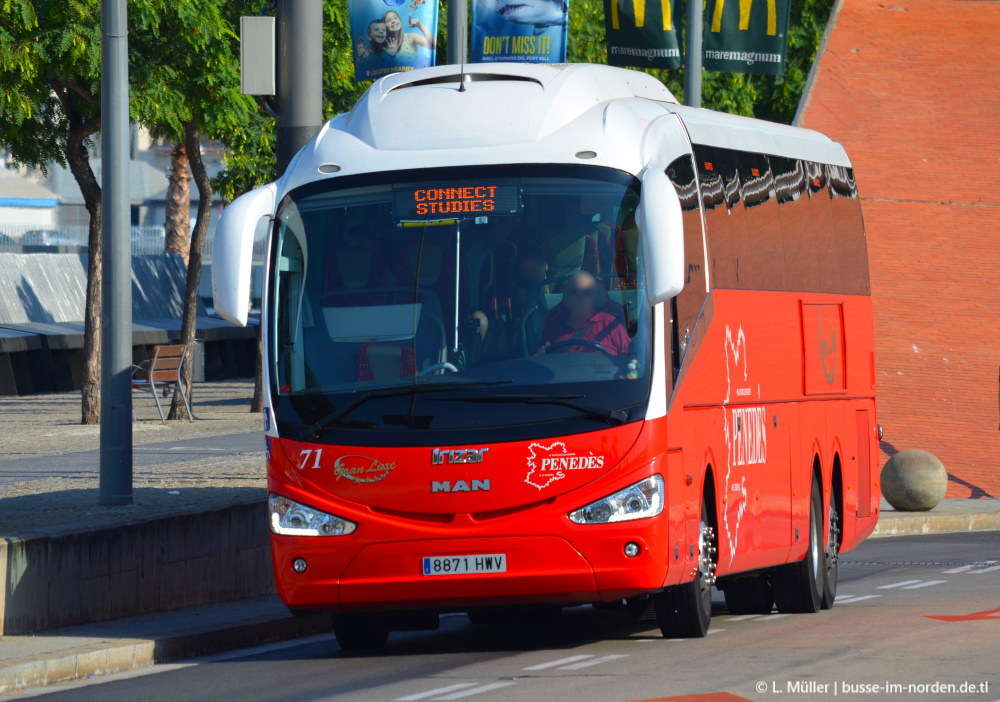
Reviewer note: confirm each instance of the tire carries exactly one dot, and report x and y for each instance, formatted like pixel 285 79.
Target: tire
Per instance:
pixel 749 595
pixel 685 611
pixel 798 587
pixel 831 556
pixel 361 632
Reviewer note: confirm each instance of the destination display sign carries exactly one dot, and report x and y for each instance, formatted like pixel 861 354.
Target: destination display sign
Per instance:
pixel 454 201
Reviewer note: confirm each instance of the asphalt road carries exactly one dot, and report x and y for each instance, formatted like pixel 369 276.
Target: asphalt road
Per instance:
pixel 69 464
pixel 880 632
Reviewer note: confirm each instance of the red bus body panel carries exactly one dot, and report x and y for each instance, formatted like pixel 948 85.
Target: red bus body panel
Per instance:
pixel 772 384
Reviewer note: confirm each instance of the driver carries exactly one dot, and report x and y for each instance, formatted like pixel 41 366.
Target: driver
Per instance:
pixel 579 317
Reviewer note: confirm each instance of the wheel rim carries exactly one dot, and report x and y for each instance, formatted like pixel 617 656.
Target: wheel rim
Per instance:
pixel 706 557
pixel 833 543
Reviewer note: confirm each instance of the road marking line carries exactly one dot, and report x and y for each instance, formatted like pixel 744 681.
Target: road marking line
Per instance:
pixel 770 617
pixel 741 617
pixel 595 661
pixel 926 584
pixel 984 570
pixel 861 598
pixel 476 690
pixel 438 691
pixel 960 569
pixel 900 584
pixel 714 631
pixel 561 661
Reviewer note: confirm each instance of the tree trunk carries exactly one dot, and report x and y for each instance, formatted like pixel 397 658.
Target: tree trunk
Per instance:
pixel 178 225
pixel 79 165
pixel 192 142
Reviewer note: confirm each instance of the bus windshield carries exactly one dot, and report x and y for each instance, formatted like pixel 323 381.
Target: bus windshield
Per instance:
pixel 458 304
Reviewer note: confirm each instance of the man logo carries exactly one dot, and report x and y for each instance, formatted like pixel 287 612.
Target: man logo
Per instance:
pixel 639 12
pixel 772 16
pixel 460 486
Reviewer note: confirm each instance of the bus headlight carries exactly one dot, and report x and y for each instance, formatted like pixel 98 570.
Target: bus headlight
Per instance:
pixel 290 518
pixel 639 501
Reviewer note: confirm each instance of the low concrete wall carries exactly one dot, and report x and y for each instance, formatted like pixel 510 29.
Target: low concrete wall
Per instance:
pixel 183 561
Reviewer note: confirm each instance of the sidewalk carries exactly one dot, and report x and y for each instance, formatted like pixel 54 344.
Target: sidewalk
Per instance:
pixel 950 516
pixel 82 652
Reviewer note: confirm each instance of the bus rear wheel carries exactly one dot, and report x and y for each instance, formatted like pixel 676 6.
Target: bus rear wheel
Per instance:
pixel 798 587
pixel 685 611
pixel 751 594
pixel 361 632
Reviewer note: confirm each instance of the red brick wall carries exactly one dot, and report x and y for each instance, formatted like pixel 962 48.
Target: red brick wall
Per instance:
pixel 911 88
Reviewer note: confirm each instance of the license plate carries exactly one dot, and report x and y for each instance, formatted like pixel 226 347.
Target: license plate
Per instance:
pixel 458 565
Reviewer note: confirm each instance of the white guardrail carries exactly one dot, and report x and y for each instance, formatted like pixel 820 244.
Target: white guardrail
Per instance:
pixel 146 241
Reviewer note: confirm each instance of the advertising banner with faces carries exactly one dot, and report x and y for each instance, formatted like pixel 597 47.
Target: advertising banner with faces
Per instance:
pixel 390 36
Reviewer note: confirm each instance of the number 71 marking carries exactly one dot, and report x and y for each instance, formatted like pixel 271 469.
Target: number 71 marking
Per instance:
pixel 305 453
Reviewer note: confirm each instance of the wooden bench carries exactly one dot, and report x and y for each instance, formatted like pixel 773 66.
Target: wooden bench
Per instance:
pixel 162 373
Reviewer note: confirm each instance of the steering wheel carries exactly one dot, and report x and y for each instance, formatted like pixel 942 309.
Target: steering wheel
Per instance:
pixel 444 365
pixel 578 342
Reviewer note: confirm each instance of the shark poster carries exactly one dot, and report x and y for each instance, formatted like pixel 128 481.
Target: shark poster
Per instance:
pixel 642 33
pixel 519 30
pixel 389 36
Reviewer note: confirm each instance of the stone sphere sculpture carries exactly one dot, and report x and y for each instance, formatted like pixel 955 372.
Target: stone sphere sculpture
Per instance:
pixel 914 481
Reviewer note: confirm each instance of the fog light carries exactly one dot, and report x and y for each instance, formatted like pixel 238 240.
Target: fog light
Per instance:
pixel 299 565
pixel 632 549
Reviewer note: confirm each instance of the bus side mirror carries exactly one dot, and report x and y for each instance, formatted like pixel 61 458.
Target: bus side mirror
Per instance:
pixel 232 254
pixel 661 225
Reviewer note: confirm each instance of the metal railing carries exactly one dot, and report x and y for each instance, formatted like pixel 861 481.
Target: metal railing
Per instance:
pixel 146 241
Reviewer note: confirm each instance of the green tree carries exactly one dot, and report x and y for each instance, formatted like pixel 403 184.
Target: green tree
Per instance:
pixel 193 97
pixel 50 108
pixel 772 98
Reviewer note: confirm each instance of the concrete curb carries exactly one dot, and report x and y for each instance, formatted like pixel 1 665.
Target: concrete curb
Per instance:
pixel 899 524
pixel 131 654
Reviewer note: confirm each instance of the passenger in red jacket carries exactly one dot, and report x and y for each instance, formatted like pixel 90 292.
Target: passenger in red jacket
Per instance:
pixel 582 316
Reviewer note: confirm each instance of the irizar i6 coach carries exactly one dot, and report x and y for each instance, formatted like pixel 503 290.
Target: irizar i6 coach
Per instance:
pixel 539 336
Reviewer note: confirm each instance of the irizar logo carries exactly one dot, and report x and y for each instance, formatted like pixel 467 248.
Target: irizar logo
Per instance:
pixel 441 456
pixel 460 485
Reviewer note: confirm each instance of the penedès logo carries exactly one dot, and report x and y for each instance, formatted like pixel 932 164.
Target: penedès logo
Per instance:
pixel 362 469
pixel 547 464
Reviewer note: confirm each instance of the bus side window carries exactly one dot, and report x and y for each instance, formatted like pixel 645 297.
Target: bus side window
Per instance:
pixel 794 209
pixel 689 301
pixel 724 216
pixel 852 251
pixel 764 268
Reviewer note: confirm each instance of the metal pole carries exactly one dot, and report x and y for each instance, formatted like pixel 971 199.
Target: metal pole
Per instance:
pixel 692 74
pixel 458 31
pixel 300 76
pixel 116 263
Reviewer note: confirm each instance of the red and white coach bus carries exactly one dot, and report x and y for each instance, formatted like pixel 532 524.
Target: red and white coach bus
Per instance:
pixel 538 336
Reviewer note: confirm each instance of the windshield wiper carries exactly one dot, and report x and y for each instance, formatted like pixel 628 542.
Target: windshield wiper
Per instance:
pixel 330 420
pixel 612 416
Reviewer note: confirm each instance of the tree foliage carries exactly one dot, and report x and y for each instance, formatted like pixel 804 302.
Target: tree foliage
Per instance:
pixel 773 98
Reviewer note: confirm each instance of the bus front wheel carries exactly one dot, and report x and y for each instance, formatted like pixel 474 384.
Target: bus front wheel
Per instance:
pixel 361 632
pixel 685 611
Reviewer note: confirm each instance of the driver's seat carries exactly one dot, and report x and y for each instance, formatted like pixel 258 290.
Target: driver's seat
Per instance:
pixel 385 362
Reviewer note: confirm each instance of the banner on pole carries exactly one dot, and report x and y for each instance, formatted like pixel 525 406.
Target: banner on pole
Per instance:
pixel 642 33
pixel 390 36
pixel 746 36
pixel 519 30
